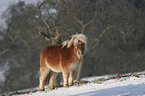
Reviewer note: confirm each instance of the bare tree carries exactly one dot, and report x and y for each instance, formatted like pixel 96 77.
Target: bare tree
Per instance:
pixel 82 31
pixel 97 39
pixel 49 36
pixel 12 38
pixel 83 27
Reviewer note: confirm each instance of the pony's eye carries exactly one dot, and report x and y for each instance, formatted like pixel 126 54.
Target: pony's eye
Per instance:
pixel 79 52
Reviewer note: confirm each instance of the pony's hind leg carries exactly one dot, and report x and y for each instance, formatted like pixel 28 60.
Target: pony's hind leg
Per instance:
pixel 43 74
pixel 52 80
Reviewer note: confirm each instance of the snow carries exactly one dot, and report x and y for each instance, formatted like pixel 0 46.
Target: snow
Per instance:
pixel 3 70
pixel 126 86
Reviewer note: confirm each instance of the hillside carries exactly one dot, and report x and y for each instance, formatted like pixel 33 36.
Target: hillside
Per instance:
pixel 131 84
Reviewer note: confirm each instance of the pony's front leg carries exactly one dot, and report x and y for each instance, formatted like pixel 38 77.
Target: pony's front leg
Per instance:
pixel 71 76
pixel 65 78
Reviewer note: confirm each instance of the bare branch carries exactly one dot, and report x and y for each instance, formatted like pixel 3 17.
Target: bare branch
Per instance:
pixel 57 34
pixel 48 29
pixel 54 38
pixel 13 38
pixel 40 14
pixel 4 51
pixel 80 21
pixel 100 36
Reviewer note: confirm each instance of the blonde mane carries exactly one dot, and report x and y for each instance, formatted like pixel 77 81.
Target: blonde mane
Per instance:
pixel 75 40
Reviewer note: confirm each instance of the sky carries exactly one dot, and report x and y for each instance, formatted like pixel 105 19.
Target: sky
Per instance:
pixel 4 4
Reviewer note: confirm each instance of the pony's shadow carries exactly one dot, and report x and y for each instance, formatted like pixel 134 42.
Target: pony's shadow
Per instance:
pixel 130 90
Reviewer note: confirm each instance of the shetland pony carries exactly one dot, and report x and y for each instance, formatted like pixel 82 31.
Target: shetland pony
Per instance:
pixel 62 58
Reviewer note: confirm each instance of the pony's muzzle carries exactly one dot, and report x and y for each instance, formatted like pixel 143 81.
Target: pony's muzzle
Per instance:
pixel 80 55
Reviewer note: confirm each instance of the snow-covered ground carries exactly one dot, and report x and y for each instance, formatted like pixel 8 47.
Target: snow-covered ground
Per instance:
pixel 125 86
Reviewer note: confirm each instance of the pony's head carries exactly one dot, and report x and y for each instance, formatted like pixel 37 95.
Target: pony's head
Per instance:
pixel 79 41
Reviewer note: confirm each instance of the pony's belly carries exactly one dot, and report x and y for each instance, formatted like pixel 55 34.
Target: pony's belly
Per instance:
pixel 54 68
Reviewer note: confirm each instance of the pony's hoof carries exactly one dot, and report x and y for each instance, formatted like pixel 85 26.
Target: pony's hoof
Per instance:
pixel 42 89
pixel 51 88
pixel 71 84
pixel 65 85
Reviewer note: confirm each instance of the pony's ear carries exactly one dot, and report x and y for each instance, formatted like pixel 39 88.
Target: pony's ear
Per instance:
pixel 65 43
pixel 70 42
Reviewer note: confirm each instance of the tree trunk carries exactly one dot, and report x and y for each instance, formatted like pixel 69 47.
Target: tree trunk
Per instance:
pixel 79 71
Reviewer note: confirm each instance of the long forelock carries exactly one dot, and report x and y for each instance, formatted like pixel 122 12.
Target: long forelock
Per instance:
pixel 65 43
pixel 75 40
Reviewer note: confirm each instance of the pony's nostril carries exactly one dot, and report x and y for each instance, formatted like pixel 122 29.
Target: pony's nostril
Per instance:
pixel 79 54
